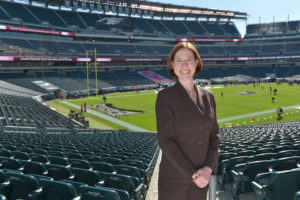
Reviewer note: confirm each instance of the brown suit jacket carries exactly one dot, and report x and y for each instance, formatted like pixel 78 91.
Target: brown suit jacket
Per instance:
pixel 188 135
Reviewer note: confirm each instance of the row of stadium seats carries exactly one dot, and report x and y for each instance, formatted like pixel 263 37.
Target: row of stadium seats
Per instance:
pixel 244 174
pixel 24 111
pixel 85 185
pixel 76 80
pixel 39 16
pixel 114 164
pixel 248 153
pixel 72 48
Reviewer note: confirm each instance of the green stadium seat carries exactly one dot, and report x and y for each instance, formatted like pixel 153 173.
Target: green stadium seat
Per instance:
pixel 89 177
pixel 31 167
pixel 92 158
pixel 58 190
pixel 244 174
pixel 10 163
pixel 58 160
pixel 277 185
pixel 264 156
pixel 113 161
pixel 40 151
pixel 102 167
pixel 56 153
pixel 20 155
pixel 126 183
pixel 59 172
pixel 78 163
pixel 285 164
pixel 22 186
pixel 6 153
pixel 72 155
pixel 38 158
pixel 228 165
pixel 98 193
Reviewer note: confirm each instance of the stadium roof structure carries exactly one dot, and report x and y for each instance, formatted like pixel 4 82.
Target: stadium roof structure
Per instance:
pixel 148 8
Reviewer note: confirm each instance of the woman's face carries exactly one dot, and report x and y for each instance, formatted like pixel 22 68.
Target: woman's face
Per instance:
pixel 184 64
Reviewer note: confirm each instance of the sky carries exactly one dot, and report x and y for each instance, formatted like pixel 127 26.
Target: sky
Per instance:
pixel 264 11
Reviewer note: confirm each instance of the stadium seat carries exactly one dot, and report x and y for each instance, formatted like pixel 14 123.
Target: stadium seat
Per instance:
pixel 58 160
pixel 113 161
pixel 286 153
pixel 244 174
pixel 20 155
pixel 59 172
pixel 223 156
pixel 58 190
pixel 10 147
pixel 126 183
pixel 22 186
pixel 264 150
pixel 89 177
pixel 39 158
pixel 56 153
pixel 228 165
pixel 92 158
pixel 31 167
pixel 264 156
pixel 283 148
pixel 96 193
pixel 6 153
pixel 73 155
pixel 40 151
pixel 78 163
pixel 10 163
pixel 130 171
pixel 75 184
pixel 277 185
pixel 25 150
pixel 102 167
pixel 285 164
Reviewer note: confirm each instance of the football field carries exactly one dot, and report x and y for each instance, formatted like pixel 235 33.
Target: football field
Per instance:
pixel 236 100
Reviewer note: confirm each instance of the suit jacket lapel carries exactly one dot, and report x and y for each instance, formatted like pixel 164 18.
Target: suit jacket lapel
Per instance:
pixel 182 93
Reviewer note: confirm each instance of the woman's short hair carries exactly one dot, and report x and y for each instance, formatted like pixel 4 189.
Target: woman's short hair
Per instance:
pixel 175 49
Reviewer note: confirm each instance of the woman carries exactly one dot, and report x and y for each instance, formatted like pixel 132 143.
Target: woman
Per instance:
pixel 187 130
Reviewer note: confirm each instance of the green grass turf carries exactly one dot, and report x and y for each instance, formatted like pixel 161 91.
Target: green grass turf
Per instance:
pixel 231 104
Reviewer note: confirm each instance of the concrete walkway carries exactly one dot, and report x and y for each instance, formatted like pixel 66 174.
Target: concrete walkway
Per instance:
pixel 109 118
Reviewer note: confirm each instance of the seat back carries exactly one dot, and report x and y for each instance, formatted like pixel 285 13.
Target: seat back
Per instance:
pixel 102 166
pixel 20 155
pixel 57 190
pixel 93 193
pixel 58 172
pixel 78 163
pixel 10 163
pixel 285 164
pixel 38 158
pixel 91 178
pixel 58 160
pixel 286 184
pixel 21 185
pixel 31 167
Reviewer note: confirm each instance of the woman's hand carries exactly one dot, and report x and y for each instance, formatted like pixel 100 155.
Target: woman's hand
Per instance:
pixel 201 177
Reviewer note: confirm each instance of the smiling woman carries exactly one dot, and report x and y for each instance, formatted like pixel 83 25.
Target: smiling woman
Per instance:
pixel 187 130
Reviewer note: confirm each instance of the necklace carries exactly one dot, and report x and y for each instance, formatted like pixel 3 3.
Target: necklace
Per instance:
pixel 190 92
